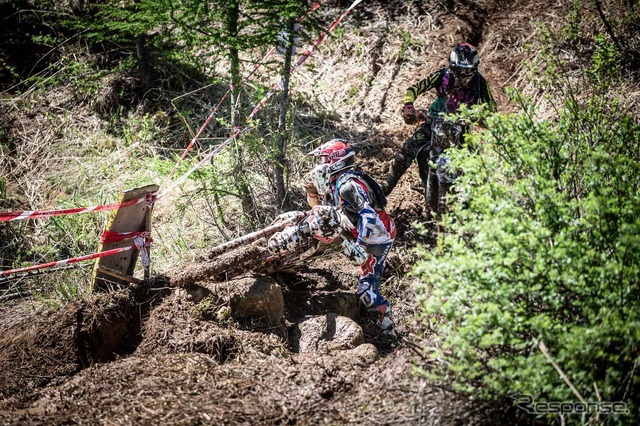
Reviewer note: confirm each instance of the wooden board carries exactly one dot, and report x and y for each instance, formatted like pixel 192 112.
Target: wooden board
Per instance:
pixel 134 218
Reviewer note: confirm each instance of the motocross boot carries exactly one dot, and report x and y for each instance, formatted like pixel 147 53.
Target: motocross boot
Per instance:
pixel 385 321
pixel 401 162
pixel 423 171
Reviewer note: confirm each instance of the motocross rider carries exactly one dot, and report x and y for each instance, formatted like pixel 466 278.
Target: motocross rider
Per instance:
pixel 338 183
pixel 459 83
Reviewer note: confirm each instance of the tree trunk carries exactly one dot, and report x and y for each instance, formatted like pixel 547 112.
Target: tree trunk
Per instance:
pixel 142 53
pixel 241 182
pixel 143 57
pixel 281 143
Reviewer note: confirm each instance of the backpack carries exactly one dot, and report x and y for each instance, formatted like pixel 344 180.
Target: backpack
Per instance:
pixel 378 198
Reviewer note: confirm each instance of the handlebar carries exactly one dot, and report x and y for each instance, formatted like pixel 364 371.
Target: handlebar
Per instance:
pixel 422 114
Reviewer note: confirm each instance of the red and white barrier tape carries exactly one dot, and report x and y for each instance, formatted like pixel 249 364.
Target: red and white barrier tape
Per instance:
pixel 109 237
pixel 66 261
pixel 262 102
pixel 35 214
pixel 141 242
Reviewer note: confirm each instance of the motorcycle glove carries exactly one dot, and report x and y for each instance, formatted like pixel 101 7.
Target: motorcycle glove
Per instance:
pixel 409 114
pixel 354 252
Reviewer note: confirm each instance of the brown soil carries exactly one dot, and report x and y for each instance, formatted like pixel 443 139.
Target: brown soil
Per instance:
pixel 158 356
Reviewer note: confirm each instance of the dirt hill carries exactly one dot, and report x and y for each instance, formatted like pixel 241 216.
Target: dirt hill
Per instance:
pixel 170 355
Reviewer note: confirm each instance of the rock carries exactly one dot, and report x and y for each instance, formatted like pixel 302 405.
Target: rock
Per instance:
pixel 329 332
pixel 256 297
pixel 365 354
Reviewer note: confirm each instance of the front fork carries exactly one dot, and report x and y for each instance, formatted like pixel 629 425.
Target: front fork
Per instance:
pixel 435 189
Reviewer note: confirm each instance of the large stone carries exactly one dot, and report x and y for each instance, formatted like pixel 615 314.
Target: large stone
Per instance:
pixel 328 333
pixel 256 297
pixel 363 355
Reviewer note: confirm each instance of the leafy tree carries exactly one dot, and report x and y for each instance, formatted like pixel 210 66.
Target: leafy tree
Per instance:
pixel 235 27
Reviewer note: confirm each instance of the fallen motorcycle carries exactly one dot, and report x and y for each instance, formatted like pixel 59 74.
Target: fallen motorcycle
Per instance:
pixel 292 240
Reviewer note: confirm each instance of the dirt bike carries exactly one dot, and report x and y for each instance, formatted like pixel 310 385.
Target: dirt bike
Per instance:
pixel 433 163
pixel 292 240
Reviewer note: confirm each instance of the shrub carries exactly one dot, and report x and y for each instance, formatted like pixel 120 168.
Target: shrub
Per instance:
pixel 541 245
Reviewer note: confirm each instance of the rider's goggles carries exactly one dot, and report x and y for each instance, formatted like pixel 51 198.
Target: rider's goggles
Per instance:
pixel 463 73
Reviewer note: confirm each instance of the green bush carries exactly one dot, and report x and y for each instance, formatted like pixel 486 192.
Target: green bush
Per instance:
pixel 541 245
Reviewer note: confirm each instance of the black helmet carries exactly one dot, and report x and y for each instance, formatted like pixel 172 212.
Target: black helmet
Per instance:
pixel 463 61
pixel 464 55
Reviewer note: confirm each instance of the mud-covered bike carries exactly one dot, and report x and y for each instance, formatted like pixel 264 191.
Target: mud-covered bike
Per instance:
pixel 433 162
pixel 293 239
